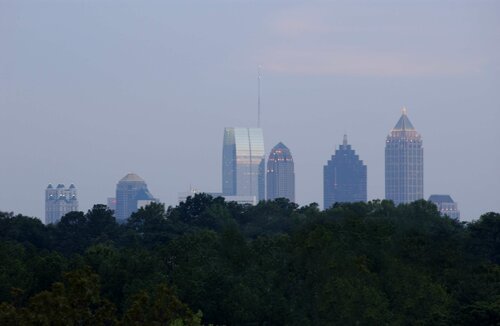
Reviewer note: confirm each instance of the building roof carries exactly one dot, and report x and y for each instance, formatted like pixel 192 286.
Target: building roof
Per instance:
pixel 280 151
pixel 131 177
pixel 404 123
pixel 441 199
pixel 280 146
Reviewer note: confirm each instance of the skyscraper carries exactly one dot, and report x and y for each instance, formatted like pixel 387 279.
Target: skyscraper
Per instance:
pixel 243 163
pixel 131 194
pixel 280 174
pixel 59 201
pixel 404 163
pixel 344 177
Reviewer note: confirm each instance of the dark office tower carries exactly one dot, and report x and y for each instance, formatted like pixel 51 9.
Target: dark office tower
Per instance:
pixel 404 163
pixel 344 177
pixel 58 202
pixel 131 194
pixel 243 163
pixel 280 174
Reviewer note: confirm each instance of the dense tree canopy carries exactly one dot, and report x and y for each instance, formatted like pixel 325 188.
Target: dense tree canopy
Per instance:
pixel 207 261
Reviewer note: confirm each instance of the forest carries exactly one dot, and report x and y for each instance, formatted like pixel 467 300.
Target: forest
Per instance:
pixel 211 262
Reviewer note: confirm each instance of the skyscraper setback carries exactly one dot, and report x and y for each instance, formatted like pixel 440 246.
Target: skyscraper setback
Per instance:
pixel 243 163
pixel 280 174
pixel 404 163
pixel 59 201
pixel 344 177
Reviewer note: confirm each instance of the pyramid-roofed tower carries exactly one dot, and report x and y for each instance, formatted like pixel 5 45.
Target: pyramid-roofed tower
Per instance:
pixel 404 162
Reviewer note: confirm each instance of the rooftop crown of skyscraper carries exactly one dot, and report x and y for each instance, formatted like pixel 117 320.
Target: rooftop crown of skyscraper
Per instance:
pixel 280 153
pixel 131 177
pixel 404 127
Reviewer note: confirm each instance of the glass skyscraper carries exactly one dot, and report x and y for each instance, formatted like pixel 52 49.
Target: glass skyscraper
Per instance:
pixel 243 163
pixel 280 174
pixel 344 177
pixel 404 163
pixel 131 194
pixel 59 201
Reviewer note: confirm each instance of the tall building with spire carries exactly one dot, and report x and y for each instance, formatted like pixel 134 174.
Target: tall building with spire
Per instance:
pixel 59 201
pixel 131 194
pixel 404 163
pixel 280 174
pixel 344 177
pixel 243 163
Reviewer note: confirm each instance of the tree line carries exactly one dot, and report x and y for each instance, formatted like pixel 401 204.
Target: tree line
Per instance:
pixel 208 261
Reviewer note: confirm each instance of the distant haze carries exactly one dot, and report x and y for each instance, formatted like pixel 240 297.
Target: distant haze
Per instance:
pixel 92 90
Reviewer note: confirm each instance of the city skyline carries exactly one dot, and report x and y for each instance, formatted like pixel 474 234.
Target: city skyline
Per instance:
pixel 238 144
pixel 91 91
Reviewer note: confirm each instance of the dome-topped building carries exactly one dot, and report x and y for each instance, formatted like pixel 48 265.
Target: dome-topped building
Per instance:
pixel 131 194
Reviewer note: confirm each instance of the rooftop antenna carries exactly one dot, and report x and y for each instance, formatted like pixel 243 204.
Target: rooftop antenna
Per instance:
pixel 258 96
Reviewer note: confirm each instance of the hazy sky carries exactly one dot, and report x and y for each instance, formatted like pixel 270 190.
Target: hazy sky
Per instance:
pixel 92 90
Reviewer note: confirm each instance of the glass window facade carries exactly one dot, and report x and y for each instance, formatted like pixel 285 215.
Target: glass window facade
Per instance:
pixel 131 191
pixel 280 174
pixel 404 163
pixel 59 201
pixel 243 163
pixel 344 177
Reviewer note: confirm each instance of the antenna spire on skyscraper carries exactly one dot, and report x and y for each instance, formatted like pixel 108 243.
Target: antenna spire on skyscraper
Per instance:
pixel 258 95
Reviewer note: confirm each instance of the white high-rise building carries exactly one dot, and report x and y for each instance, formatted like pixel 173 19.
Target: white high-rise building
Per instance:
pixel 59 201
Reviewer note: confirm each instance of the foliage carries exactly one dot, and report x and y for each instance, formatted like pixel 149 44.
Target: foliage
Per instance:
pixel 273 263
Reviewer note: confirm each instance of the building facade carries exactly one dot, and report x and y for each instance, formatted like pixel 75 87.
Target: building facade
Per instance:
pixel 404 163
pixel 59 201
pixel 344 177
pixel 280 174
pixel 131 194
pixel 446 206
pixel 243 163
